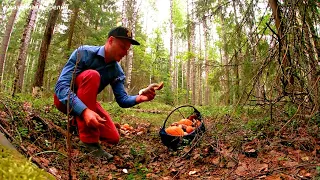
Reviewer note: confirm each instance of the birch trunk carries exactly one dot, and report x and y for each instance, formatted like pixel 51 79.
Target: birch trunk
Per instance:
pixel 205 61
pixel 131 11
pixel 200 67
pixel 170 78
pixel 6 38
pixel 189 52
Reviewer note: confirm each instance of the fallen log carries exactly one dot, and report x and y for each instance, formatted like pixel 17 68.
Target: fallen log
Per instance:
pixel 50 125
pixel 150 111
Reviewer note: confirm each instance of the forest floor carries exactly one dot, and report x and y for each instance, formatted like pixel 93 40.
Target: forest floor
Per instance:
pixel 230 148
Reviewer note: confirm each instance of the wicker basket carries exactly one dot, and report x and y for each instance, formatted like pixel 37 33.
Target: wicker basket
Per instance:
pixel 174 142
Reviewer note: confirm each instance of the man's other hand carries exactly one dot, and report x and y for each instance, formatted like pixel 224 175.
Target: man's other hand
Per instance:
pixel 92 119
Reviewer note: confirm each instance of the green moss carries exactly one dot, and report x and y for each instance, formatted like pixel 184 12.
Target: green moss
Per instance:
pixel 16 167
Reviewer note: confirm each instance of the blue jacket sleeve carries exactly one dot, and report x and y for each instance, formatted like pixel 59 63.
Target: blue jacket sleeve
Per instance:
pixel 123 99
pixel 63 86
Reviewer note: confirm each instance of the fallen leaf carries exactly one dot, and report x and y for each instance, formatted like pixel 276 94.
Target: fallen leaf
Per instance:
pixel 306 158
pixel 112 167
pixel 262 167
pixel 241 171
pixel 215 160
pixel 273 177
pixel 231 164
pixel 196 156
pixel 110 176
pixel 44 161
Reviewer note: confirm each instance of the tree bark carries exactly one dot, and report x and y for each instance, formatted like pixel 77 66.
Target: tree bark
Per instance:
pixel 73 21
pixel 46 40
pixel 205 61
pixel 225 60
pixel 131 11
pixel 20 64
pixel 237 55
pixel 170 78
pixel 6 38
pixel 188 55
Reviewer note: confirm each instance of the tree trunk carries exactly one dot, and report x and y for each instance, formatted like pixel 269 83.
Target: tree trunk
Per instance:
pixel 46 40
pixel 6 38
pixel 188 55
pixel 200 67
pixel 73 21
pixel 131 15
pixel 170 74
pixel 237 55
pixel 20 64
pixel 205 61
pixel 176 75
pixel 225 61
pixel 282 60
pixel 193 64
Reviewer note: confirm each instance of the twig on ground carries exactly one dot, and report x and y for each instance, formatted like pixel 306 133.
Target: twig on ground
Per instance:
pixel 9 111
pixel 45 152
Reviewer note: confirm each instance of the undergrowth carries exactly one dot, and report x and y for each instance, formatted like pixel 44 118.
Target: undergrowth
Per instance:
pixel 226 127
pixel 14 166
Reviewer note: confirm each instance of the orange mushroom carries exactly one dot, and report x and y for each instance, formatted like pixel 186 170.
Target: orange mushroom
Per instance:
pixel 174 131
pixel 186 122
pixel 189 129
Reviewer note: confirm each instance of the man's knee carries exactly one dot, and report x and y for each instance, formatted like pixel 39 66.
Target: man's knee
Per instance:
pixel 115 139
pixel 89 75
pixel 92 74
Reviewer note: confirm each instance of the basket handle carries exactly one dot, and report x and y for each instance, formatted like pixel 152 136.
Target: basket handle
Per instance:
pixel 177 108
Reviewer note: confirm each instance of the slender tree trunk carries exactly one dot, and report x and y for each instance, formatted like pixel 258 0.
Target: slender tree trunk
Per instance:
pixel 73 21
pixel 176 74
pixel 237 52
pixel 282 60
pixel 225 61
pixel 189 57
pixel 2 17
pixel 46 40
pixel 200 67
pixel 193 64
pixel 131 16
pixel 205 61
pixel 20 64
pixel 6 37
pixel 170 74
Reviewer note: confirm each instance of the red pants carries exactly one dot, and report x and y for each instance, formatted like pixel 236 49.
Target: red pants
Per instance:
pixel 87 84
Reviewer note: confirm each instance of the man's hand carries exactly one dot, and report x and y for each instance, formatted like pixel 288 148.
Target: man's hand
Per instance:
pixel 147 96
pixel 92 119
pixel 151 87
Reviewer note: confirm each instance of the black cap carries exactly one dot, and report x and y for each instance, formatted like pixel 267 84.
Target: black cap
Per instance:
pixel 122 32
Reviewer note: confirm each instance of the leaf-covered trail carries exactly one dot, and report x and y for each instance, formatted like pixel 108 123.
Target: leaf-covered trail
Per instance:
pixel 226 151
pixel 140 154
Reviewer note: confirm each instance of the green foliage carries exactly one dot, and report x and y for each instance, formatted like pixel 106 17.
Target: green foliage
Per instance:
pixel 290 109
pixel 115 110
pixel 24 132
pixel 179 20
pixel 257 125
pixel 14 166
